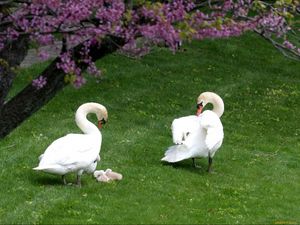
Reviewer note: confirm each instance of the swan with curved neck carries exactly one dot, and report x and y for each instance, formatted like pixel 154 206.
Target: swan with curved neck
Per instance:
pixel 199 135
pixel 76 152
pixel 214 99
pixel 82 122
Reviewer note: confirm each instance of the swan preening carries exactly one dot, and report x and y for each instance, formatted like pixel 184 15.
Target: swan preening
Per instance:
pixel 76 152
pixel 200 135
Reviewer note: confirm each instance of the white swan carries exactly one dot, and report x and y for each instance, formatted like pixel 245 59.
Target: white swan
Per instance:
pixel 76 152
pixel 200 135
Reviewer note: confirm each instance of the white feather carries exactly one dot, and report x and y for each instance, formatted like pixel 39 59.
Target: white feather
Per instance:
pixel 183 127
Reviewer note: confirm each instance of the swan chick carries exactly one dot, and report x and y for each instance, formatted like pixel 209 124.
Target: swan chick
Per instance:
pixel 107 175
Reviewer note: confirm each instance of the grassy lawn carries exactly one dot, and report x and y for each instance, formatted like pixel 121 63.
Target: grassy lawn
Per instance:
pixel 256 175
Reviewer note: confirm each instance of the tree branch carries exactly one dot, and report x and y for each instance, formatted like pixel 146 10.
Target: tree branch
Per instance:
pixel 289 53
pixel 29 100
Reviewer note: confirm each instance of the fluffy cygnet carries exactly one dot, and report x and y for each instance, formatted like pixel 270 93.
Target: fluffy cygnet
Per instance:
pixel 107 175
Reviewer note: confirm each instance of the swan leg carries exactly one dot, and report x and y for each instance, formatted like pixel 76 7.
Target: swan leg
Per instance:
pixel 78 181
pixel 209 169
pixel 194 163
pixel 64 179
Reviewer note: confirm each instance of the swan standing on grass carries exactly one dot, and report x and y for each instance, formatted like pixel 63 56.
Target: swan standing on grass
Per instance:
pixel 76 152
pixel 200 135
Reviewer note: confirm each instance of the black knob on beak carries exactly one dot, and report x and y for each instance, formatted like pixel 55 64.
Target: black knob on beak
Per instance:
pixel 200 105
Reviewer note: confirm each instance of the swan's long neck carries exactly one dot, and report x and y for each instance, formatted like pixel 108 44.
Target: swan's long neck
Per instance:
pixel 82 122
pixel 218 104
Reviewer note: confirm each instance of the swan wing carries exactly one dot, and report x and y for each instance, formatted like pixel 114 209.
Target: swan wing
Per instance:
pixel 211 123
pixel 71 151
pixel 191 147
pixel 185 132
pixel 177 153
pixel 183 127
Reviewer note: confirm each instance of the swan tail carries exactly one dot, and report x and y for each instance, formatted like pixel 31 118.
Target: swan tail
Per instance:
pixel 37 168
pixel 49 167
pixel 40 168
pixel 176 153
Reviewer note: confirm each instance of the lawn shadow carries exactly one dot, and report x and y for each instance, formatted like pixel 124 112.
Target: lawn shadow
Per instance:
pixel 188 166
pixel 56 180
pixel 47 180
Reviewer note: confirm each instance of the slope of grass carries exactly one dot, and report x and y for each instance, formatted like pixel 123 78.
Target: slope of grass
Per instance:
pixel 256 178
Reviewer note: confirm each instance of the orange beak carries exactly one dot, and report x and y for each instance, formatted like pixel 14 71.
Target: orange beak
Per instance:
pixel 199 109
pixel 99 124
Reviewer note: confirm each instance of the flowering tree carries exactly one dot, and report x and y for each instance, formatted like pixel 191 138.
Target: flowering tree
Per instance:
pixel 90 29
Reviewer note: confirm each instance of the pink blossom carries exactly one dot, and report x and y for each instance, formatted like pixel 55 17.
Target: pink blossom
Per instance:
pixel 228 5
pixel 79 81
pixel 274 24
pixel 93 70
pixel 68 65
pixel 45 39
pixel 289 45
pixel 43 55
pixel 12 33
pixel 39 82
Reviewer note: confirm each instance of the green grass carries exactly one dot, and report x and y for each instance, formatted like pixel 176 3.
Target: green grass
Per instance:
pixel 257 175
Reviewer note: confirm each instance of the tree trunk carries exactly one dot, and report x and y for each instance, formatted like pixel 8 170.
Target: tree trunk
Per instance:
pixel 11 56
pixel 30 99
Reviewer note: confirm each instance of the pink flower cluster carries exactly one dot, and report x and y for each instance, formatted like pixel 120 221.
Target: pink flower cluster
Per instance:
pixel 274 24
pixel 79 81
pixel 162 19
pixel 39 82
pixel 291 46
pixel 67 64
pixel 167 22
